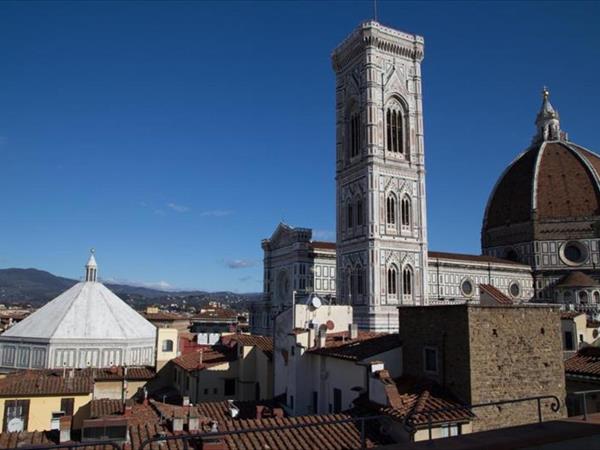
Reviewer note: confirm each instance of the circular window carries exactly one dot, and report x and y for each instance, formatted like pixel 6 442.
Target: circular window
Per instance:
pixel 467 287
pixel 514 289
pixel 573 253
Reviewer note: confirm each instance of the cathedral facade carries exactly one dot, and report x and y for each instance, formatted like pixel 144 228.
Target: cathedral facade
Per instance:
pixel 541 227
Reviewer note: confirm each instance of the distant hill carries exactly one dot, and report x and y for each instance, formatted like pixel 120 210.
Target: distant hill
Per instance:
pixel 38 287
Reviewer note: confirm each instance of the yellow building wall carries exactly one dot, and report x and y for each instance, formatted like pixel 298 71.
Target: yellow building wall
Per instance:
pixel 163 357
pixel 41 409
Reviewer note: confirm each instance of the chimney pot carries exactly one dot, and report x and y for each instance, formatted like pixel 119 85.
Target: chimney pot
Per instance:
pixel 65 428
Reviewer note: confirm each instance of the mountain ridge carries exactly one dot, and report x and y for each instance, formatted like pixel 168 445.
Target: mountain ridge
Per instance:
pixel 19 285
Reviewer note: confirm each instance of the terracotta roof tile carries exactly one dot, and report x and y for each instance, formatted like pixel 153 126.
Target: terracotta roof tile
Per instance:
pixel 263 343
pixel 414 396
pixel 367 345
pixel 565 189
pixel 496 294
pixel 210 356
pixel 474 258
pixel 567 315
pixel 577 279
pixel 323 245
pixel 41 383
pixel 585 362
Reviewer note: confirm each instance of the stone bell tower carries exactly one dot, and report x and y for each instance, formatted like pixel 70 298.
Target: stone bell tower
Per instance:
pixel 380 175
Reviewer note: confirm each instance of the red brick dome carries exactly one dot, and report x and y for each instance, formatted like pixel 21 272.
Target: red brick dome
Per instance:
pixel 551 181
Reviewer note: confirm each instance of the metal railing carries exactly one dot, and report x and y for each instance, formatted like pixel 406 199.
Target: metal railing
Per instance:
pixel 410 419
pixel 410 424
pixel 584 394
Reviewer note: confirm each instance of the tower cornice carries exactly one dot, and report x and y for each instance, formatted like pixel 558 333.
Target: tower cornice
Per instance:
pixel 383 38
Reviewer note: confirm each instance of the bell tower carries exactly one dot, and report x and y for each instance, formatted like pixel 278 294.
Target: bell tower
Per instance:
pixel 380 175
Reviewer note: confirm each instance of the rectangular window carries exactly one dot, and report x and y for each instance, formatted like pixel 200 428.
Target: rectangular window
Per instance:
pixel 292 401
pixel 17 413
pixel 315 402
pixel 431 359
pixel 337 400
pixel 293 350
pixel 229 387
pixel 569 340
pixel 67 405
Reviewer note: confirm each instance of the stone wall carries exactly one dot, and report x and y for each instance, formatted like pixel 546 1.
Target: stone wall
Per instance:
pixel 487 354
pixel 515 352
pixel 444 328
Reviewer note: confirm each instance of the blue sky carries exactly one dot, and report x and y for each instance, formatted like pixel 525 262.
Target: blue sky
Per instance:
pixel 173 137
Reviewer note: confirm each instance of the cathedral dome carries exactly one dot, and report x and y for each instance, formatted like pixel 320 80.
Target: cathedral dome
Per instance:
pixel 553 181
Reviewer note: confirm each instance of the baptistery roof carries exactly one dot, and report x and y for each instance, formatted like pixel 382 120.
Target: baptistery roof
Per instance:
pixel 86 311
pixel 553 180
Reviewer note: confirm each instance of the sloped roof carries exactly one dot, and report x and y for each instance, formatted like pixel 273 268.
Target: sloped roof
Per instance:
pixel 41 383
pixel 263 343
pixel 88 310
pixel 366 345
pixel 577 279
pixel 411 396
pixel 585 362
pixel 211 356
pixel 496 294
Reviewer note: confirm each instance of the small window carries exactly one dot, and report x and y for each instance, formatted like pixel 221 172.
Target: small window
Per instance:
pixel 514 289
pixel 467 288
pixel 293 350
pixel 391 210
pixel 359 212
pixel 391 281
pixel 215 391
pixel 569 341
pixel 167 345
pixel 431 360
pixel 337 400
pixel 229 387
pixel 292 401
pixel 205 391
pixel 350 216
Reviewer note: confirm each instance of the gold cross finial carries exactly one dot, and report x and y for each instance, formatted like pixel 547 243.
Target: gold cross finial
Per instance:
pixel 545 92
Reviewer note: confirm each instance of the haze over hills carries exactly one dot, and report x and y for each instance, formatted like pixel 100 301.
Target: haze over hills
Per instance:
pixel 38 286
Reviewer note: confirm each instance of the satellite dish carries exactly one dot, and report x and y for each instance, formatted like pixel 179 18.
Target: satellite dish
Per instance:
pixel 315 302
pixel 330 325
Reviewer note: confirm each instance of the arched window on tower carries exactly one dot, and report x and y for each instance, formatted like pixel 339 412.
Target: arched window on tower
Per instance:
pixel 406 212
pixel 394 129
pixel 354 140
pixel 391 210
pixel 392 283
pixel 350 216
pixel 407 282
pixel 360 290
pixel 359 212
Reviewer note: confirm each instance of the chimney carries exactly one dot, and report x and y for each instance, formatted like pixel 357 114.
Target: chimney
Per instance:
pixel 65 428
pixel 128 410
pixel 277 413
pixel 177 424
pixel 259 411
pixel 322 338
pixel 186 401
pixel 353 331
pixel 193 422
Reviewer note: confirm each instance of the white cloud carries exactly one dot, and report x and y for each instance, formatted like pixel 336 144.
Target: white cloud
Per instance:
pixel 239 263
pixel 178 208
pixel 160 285
pixel 216 213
